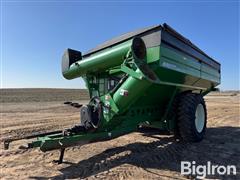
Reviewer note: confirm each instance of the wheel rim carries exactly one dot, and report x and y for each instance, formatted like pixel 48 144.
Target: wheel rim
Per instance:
pixel 199 118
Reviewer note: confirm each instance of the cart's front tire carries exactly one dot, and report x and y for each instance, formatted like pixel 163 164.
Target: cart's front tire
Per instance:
pixel 191 117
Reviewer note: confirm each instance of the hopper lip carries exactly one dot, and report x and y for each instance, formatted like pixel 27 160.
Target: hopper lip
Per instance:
pixel 129 35
pixel 120 39
pixel 179 36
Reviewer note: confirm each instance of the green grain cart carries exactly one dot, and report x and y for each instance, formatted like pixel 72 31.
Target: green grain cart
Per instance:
pixel 153 76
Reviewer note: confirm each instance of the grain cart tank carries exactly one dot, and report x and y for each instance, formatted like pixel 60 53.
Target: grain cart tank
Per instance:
pixel 153 76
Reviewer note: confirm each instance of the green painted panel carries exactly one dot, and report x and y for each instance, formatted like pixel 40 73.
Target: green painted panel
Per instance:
pixel 155 95
pixel 178 61
pixel 210 74
pixel 153 54
pixel 210 71
pixel 210 77
pixel 180 67
pixel 179 57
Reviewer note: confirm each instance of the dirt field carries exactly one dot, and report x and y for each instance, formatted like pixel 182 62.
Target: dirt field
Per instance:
pixel 133 156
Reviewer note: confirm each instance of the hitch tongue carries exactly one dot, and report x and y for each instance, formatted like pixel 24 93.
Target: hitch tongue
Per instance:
pixel 7 142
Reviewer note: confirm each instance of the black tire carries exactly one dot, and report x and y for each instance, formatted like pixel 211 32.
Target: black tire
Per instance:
pixel 186 125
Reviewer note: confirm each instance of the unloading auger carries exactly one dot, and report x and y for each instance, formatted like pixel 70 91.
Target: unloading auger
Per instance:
pixel 153 76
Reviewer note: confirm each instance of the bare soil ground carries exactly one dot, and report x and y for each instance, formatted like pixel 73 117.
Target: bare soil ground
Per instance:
pixel 137 155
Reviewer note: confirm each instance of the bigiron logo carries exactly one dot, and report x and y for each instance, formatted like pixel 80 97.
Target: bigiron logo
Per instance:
pixel 201 171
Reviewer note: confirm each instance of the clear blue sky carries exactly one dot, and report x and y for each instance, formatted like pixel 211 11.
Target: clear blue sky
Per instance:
pixel 35 34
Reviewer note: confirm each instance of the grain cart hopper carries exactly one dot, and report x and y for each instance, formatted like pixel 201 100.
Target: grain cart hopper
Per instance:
pixel 153 76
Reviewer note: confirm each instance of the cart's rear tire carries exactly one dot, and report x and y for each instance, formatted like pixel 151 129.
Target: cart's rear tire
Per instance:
pixel 191 117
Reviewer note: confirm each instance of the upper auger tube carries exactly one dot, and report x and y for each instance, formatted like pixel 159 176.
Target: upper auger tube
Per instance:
pixel 73 65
